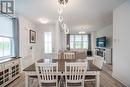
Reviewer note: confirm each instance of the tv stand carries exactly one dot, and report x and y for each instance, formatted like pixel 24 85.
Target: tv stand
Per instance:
pixel 106 53
pixel 100 52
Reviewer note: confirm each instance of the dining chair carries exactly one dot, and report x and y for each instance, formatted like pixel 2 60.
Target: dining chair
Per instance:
pixel 74 74
pixel 98 61
pixel 47 74
pixel 69 55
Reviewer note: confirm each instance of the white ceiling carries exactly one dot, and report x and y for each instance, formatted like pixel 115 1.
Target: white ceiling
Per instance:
pixel 93 13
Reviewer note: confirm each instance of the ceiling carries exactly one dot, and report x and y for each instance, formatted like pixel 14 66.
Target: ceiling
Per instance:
pixel 95 14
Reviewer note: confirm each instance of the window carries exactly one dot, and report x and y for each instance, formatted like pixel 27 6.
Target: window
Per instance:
pixel 79 41
pixel 47 42
pixel 71 41
pixel 85 41
pixel 6 37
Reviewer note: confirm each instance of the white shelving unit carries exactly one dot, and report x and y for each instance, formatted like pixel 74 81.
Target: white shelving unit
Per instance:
pixel 106 53
pixel 108 56
pixel 9 71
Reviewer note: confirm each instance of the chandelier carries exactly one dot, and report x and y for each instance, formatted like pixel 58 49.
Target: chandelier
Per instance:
pixel 62 4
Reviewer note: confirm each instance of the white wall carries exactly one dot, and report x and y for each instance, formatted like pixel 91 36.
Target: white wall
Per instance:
pixel 28 55
pixel 121 43
pixel 57 36
pixel 108 32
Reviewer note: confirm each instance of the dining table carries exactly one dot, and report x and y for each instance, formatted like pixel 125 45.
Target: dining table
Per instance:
pixel 91 69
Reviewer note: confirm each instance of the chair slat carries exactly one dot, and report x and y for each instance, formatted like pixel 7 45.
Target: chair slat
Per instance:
pixel 69 55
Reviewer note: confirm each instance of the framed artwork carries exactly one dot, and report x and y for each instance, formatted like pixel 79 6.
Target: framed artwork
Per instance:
pixel 32 36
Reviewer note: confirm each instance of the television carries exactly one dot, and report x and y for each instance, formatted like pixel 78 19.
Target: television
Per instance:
pixel 101 42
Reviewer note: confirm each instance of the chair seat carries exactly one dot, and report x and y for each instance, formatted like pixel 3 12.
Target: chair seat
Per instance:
pixel 48 81
pixel 74 84
pixel 48 85
pixel 74 81
pixel 90 77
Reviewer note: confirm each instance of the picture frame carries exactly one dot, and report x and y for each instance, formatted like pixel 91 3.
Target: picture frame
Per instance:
pixel 32 36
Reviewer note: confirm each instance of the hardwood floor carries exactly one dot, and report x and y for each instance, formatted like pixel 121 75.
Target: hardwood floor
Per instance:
pixel 106 80
pixel 19 82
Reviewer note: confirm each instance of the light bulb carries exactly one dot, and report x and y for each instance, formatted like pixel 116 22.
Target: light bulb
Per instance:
pixel 60 10
pixel 64 5
pixel 60 18
pixel 64 26
pixel 67 31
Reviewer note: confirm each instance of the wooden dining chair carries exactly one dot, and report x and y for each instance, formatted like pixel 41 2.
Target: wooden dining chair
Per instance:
pixel 74 74
pixel 98 61
pixel 69 55
pixel 47 74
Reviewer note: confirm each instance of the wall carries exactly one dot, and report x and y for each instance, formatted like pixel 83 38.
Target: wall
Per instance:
pixel 28 55
pixel 121 43
pixel 45 28
pixel 57 37
pixel 108 32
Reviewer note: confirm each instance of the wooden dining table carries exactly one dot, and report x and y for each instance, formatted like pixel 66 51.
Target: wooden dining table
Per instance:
pixel 91 69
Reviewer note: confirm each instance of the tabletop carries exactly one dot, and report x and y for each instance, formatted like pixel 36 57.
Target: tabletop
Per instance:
pixel 61 64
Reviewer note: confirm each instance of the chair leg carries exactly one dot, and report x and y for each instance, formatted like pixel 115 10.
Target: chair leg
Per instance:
pixel 56 84
pixel 82 84
pixel 66 84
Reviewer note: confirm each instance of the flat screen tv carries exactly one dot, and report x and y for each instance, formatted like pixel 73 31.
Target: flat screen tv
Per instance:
pixel 101 42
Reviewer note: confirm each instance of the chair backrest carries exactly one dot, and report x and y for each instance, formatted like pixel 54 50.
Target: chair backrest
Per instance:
pixel 60 55
pixel 69 55
pixel 47 72
pixel 98 61
pixel 75 71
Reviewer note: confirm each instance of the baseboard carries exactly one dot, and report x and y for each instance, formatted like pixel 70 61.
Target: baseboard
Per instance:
pixel 115 77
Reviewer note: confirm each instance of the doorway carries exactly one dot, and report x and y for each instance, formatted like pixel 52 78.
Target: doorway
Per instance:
pixel 48 45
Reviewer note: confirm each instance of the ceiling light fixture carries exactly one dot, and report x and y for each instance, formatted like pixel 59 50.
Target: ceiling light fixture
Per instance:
pixel 43 20
pixel 60 10
pixel 82 27
pixel 60 18
pixel 63 2
pixel 67 31
pixel 82 32
pixel 64 26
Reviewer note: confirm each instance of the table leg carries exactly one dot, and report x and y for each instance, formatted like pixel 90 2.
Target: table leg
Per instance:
pixel 26 79
pixel 98 79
